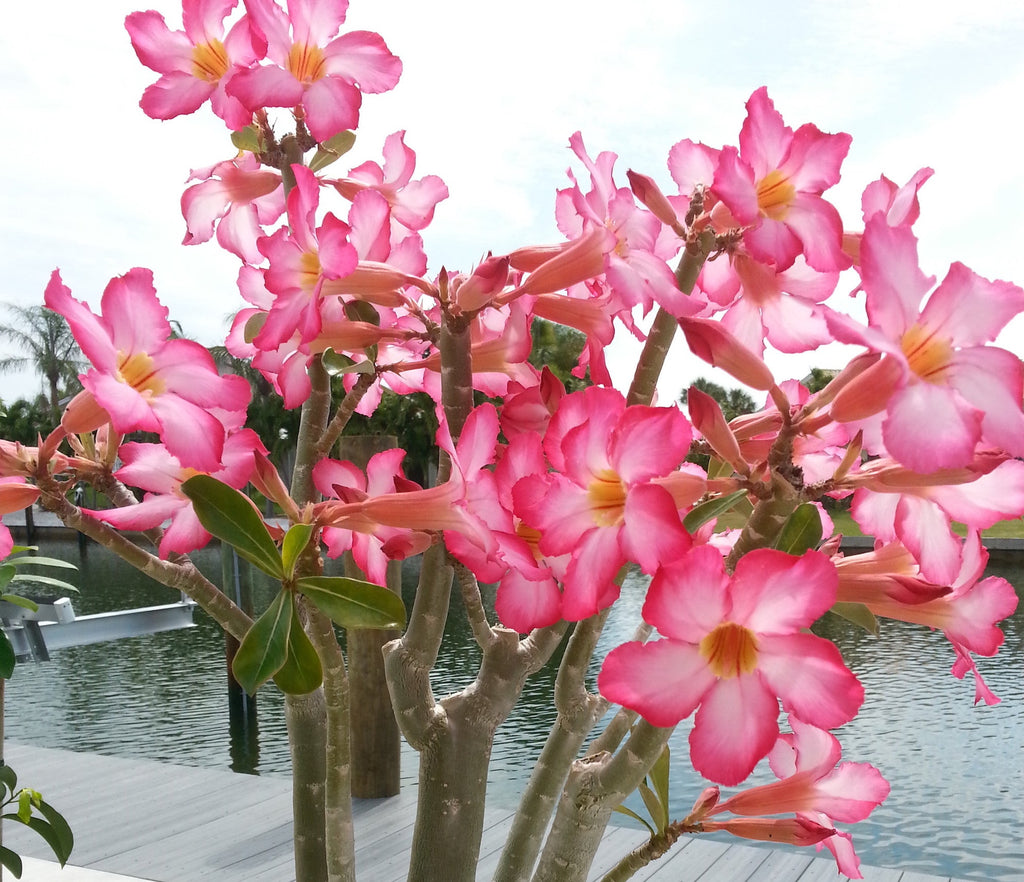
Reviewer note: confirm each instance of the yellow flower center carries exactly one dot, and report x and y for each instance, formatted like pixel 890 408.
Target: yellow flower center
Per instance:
pixel 927 355
pixel 774 195
pixel 607 496
pixel 306 63
pixel 730 650
pixel 137 371
pixel 309 269
pixel 531 537
pixel 209 61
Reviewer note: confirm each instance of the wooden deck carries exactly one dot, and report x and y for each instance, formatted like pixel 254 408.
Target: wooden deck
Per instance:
pixel 179 824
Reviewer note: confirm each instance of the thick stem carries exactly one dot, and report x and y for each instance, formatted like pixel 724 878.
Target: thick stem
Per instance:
pixel 312 424
pixel 305 716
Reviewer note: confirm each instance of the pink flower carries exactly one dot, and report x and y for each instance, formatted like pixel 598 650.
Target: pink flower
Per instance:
pixel 152 468
pixel 942 389
pixel 196 63
pixel 604 503
pixel 773 184
pixel 733 647
pixel 312 67
pixel 15 495
pixel 412 202
pixel 142 380
pixel 237 197
pixel 814 787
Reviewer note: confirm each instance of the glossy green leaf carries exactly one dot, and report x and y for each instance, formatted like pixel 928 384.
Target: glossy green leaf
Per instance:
pixel 658 776
pixel 622 810
pixel 335 364
pixel 11 860
pixel 857 613
pixel 713 508
pixel 7 658
pixel 63 839
pixel 301 672
pixel 654 807
pixel 9 778
pixel 353 603
pixel 228 515
pixel 36 560
pixel 801 532
pixel 24 806
pixel 29 578
pixel 361 311
pixel 23 602
pixel 7 573
pixel 295 540
pixel 44 829
pixel 332 150
pixel 264 649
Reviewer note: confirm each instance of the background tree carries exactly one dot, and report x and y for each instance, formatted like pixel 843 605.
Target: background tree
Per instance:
pixel 558 347
pixel 48 348
pixel 733 402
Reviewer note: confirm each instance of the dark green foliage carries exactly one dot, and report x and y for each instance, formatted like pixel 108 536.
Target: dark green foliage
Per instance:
pixel 558 348
pixel 734 402
pixel 25 421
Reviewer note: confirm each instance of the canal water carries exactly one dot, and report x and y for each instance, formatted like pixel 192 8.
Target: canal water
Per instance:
pixel 957 771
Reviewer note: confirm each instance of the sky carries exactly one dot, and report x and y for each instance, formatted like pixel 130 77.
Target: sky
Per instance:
pixel 489 97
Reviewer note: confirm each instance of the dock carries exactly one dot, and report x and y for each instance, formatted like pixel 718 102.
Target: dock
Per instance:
pixel 169 823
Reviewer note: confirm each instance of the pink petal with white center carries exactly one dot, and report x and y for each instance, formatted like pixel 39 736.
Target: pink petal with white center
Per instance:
pixel 183 534
pixel 415 208
pixel 589 583
pixel 765 139
pixel 186 367
pixel 892 276
pixel 995 496
pixel 735 727
pixel 875 513
pixel 687 598
pixel 734 185
pixel 794 324
pixel 743 320
pixel 976 611
pixel 175 94
pixel 316 21
pixel 91 333
pixel 808 674
pixel 157 46
pixel 652 532
pixel 151 512
pixel 191 433
pixel 924 529
pixel 128 410
pixel 851 792
pixel 238 233
pixel 819 228
pixel 332 106
pixel 971 310
pixel 204 19
pixel 777 593
pixel 523 605
pixel 814 158
pixel 648 442
pixel 929 428
pixel 663 681
pixel 265 86
pixel 691 164
pixel 363 57
pixel 809 749
pixel 991 379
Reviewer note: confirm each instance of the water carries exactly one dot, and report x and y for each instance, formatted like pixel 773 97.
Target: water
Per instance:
pixel 957 771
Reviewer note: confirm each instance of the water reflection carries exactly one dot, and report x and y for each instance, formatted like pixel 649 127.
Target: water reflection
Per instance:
pixel 956 770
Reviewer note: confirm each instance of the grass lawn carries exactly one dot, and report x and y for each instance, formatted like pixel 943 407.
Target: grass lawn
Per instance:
pixel 1003 530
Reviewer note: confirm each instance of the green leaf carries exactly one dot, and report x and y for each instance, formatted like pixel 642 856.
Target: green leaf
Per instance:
pixel 353 603
pixel 713 508
pixel 35 560
pixel 248 139
pixel 18 600
pixel 801 532
pixel 658 776
pixel 7 658
pixel 7 573
pixel 228 515
pixel 11 860
pixel 9 778
pixel 264 649
pixel 253 325
pixel 64 839
pixel 361 311
pixel 295 540
pixel 29 578
pixel 25 806
pixel 331 150
pixel 857 613
pixel 654 807
pixel 301 672
pixel 622 810
pixel 335 363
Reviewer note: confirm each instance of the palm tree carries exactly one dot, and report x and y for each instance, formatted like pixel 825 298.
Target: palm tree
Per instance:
pixel 48 346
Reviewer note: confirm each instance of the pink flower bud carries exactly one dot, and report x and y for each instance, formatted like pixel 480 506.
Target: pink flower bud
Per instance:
pixel 795 831
pixel 708 340
pixel 649 193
